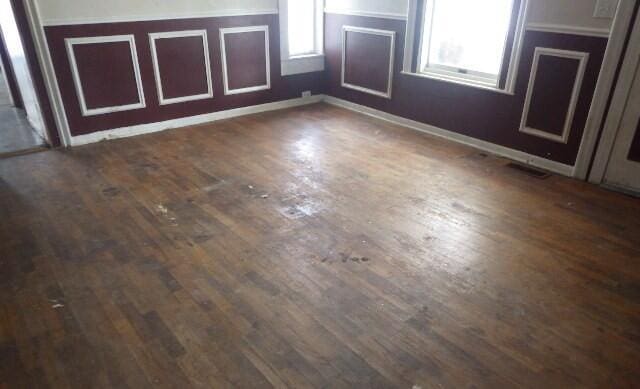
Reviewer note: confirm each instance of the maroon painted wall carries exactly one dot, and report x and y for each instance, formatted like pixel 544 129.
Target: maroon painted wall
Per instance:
pixel 482 114
pixel 245 59
pixel 107 82
pixel 551 95
pixel 190 50
pixel 374 72
pixel 282 88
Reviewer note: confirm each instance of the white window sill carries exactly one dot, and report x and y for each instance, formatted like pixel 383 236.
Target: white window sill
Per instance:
pixel 302 64
pixel 305 56
pixel 452 80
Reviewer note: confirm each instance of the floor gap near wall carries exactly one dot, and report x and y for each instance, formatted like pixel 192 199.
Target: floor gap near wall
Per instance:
pixel 537 173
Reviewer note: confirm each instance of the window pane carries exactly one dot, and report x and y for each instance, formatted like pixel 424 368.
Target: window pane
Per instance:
pixel 302 25
pixel 467 34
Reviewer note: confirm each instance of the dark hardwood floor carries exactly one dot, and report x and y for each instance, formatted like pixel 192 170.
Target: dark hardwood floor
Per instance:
pixel 311 247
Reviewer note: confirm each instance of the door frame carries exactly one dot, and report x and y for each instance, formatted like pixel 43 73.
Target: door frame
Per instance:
pixel 618 105
pixel 31 44
pixel 606 82
pixel 9 75
pixel 5 75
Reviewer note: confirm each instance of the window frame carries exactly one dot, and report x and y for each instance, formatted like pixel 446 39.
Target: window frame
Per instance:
pixel 301 63
pixel 506 78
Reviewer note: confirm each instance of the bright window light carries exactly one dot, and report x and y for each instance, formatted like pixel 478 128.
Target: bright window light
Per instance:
pixel 10 30
pixel 302 27
pixel 465 38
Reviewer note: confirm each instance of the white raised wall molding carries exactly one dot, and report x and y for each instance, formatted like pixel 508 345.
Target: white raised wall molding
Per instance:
pixel 575 94
pixel 225 70
pixel 361 30
pixel 153 37
pixel 71 42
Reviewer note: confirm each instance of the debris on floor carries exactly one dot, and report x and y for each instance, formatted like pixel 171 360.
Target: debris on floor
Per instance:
pixel 344 258
pixel 56 304
pixel 164 211
pixel 111 191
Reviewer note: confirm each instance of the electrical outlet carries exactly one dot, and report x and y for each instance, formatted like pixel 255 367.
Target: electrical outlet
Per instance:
pixel 605 9
pixel 306 93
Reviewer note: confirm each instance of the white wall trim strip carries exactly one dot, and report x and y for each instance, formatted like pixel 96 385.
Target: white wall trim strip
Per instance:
pixel 567 29
pixel 493 148
pixel 146 18
pixel 392 50
pixel 126 132
pixel 382 15
pixel 130 39
pixel 153 37
pixel 575 94
pixel 223 53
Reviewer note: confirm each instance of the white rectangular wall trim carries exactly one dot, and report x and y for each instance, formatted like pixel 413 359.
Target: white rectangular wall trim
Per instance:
pixel 156 67
pixel 361 30
pixel 71 42
pixel 577 85
pixel 225 70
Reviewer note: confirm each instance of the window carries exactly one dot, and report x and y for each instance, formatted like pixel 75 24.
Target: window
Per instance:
pixel 466 40
pixel 301 20
pixel 301 36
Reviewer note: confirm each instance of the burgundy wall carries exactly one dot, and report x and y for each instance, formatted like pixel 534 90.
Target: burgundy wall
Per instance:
pixel 281 87
pixel 246 59
pixel 105 82
pixel 485 115
pixel 552 91
pixel 634 153
pixel 190 52
pixel 372 73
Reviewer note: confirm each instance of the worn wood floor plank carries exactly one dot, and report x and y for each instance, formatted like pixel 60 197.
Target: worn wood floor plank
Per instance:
pixel 310 247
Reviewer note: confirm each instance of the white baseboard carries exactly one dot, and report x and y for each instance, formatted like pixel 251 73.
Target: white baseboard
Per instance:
pixel 520 156
pixel 125 132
